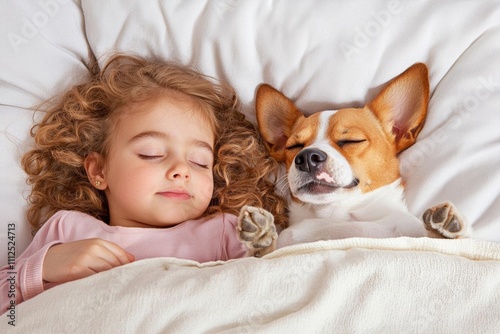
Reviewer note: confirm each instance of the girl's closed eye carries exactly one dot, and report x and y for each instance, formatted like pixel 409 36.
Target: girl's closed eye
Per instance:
pixel 150 156
pixel 203 159
pixel 200 164
pixel 151 153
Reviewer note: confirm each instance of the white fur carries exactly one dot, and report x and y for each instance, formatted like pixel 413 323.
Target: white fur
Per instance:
pixel 377 214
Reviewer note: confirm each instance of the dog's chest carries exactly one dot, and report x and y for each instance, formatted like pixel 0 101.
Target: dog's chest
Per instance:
pixel 304 211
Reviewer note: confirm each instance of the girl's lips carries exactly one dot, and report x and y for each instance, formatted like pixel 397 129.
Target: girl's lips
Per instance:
pixel 176 194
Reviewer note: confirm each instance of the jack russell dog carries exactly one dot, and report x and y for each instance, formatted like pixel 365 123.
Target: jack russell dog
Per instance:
pixel 342 169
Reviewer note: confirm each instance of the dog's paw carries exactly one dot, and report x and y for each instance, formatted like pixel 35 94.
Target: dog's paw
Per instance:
pixel 256 229
pixel 445 220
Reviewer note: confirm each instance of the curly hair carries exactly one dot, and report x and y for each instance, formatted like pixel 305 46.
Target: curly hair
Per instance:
pixel 82 120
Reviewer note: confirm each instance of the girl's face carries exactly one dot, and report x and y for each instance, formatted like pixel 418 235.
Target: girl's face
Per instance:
pixel 159 169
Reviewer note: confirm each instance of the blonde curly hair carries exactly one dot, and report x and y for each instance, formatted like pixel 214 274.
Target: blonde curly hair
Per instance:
pixel 81 123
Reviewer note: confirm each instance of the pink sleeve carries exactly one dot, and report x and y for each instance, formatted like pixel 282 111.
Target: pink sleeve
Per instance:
pixel 233 248
pixel 23 280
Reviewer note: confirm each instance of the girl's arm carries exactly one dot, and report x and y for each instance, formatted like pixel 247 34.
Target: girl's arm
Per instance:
pixel 56 256
pixel 23 280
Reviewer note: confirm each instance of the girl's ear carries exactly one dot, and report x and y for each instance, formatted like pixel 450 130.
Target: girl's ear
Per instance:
pixel 93 164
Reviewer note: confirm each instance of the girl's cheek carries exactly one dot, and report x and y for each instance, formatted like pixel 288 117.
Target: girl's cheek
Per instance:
pixel 208 188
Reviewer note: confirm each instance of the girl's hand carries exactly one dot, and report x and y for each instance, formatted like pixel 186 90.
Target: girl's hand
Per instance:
pixel 78 259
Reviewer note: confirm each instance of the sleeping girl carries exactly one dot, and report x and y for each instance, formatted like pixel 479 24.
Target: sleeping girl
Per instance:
pixel 146 159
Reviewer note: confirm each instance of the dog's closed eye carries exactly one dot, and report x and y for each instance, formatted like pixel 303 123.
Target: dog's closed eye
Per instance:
pixel 344 142
pixel 295 147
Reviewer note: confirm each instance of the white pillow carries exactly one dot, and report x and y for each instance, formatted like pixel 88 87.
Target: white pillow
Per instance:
pixel 331 54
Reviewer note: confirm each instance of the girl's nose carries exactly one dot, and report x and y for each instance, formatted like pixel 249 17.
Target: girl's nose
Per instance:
pixel 179 171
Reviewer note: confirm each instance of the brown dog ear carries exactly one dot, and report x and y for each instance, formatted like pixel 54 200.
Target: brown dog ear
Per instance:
pixel 276 116
pixel 402 105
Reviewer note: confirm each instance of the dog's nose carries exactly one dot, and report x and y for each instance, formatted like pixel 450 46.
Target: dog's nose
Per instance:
pixel 309 159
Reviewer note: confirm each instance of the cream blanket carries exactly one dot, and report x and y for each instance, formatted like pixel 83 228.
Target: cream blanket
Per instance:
pixel 401 285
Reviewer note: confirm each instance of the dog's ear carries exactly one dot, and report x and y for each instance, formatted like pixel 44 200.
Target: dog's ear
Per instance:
pixel 276 115
pixel 402 105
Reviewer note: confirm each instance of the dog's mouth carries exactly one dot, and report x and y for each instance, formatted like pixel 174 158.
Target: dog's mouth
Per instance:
pixel 320 187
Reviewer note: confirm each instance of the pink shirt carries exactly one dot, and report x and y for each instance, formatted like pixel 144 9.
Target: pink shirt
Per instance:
pixel 206 239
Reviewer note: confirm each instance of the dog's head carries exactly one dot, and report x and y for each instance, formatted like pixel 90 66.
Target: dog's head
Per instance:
pixel 346 151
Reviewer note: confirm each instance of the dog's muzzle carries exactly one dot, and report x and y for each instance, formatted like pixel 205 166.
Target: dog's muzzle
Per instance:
pixel 316 177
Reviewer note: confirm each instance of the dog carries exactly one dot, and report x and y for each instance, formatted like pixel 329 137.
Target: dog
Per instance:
pixel 342 169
